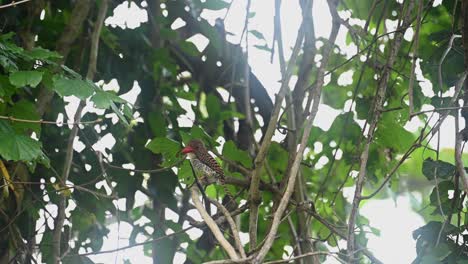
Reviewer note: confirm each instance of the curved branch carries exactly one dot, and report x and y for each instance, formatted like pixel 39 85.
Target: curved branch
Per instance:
pixel 212 225
pixel 232 224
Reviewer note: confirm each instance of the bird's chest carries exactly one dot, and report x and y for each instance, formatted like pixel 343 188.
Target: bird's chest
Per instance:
pixel 204 173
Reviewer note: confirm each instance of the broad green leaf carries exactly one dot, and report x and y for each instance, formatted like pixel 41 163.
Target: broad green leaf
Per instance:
pixel 438 254
pixel 157 124
pixel 390 134
pixel 231 152
pixel 67 87
pixel 25 110
pixel 5 127
pixel 19 147
pixel 167 147
pixel 6 88
pixel 24 78
pixel 198 133
pixel 189 48
pixel 8 63
pixel 439 197
pixel 443 169
pixel 213 107
pixel 40 54
pixel 163 145
pixel 82 219
pixel 185 173
pixel 210 191
pixel 104 99
pixel 215 4
pixel 335 96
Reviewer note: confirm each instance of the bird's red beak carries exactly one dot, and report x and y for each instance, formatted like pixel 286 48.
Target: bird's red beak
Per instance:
pixel 187 149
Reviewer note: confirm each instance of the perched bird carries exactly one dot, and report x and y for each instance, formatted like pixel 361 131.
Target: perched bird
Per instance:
pixel 207 169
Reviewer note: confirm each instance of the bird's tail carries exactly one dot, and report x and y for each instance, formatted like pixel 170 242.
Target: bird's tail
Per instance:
pixel 228 201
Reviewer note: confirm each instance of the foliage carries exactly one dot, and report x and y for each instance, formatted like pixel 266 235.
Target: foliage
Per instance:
pixel 131 149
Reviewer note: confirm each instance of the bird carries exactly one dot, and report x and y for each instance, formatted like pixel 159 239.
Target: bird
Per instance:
pixel 207 169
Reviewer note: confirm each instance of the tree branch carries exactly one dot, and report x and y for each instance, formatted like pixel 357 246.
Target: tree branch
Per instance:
pixel 212 225
pixel 70 33
pixel 14 3
pixel 232 224
pixel 307 129
pixel 61 205
pixel 415 56
pixel 458 157
pixel 378 104
pixel 254 191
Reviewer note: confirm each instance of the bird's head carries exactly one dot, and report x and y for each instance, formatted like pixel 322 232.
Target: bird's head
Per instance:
pixel 193 146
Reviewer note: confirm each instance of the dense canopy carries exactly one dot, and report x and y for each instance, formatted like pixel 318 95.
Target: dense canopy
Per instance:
pixel 95 108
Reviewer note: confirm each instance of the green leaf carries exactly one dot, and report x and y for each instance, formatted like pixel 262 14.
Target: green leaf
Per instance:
pixel 163 145
pixel 189 48
pixel 5 127
pixel 40 54
pixel 167 147
pixel 104 99
pixel 213 107
pixel 210 191
pixel 215 4
pixel 199 133
pixel 390 134
pixel 225 115
pixel 185 173
pixel 438 254
pixel 263 47
pixel 67 87
pixel 8 63
pixel 82 219
pixel 17 147
pixel 439 197
pixel 257 34
pixel 231 152
pixel 24 78
pixel 157 123
pixel 443 169
pixel 25 110
pixel 6 88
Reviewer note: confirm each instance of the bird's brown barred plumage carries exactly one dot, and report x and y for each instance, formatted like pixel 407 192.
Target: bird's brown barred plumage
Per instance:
pixel 204 157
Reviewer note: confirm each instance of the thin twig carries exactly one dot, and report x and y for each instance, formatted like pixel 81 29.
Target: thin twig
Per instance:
pixel 439 66
pixel 13 3
pixel 143 170
pixel 317 253
pixel 131 246
pixel 41 121
pixel 458 88
pixel 415 56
